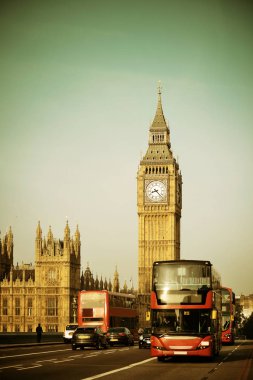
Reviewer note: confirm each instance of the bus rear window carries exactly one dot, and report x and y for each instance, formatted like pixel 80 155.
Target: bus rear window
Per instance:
pixel 92 300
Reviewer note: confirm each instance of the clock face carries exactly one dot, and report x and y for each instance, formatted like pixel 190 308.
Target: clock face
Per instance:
pixel 156 191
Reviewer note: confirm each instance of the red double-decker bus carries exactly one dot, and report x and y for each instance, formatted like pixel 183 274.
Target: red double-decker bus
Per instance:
pixel 228 315
pixel 185 309
pixel 107 309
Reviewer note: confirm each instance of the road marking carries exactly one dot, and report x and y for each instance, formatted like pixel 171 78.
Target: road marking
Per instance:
pixel 11 366
pixel 118 370
pixel 56 361
pixel 31 367
pixel 91 355
pixel 33 353
pixel 39 363
pixel 219 364
pixel 76 356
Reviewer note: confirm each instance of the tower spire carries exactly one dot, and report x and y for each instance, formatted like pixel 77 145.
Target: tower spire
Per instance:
pixel 159 123
pixel 38 231
pixel 159 88
pixel 50 234
pixel 67 231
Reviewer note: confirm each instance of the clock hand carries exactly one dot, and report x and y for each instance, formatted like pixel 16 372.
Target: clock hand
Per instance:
pixel 156 191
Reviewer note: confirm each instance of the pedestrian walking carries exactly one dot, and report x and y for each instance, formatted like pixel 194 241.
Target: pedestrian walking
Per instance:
pixel 39 332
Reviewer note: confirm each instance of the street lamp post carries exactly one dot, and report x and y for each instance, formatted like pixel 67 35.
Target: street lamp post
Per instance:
pixel 74 308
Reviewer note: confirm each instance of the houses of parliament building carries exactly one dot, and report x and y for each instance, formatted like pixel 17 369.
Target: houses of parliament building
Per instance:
pixel 44 293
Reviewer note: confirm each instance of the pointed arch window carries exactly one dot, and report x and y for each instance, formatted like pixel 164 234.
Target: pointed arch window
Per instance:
pixel 52 306
pixel 17 306
pixel 5 306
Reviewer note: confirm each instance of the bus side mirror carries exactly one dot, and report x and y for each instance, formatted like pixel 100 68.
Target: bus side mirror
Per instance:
pixel 214 314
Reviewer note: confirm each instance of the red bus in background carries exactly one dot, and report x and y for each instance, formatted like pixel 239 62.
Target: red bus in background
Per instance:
pixel 228 315
pixel 185 309
pixel 107 309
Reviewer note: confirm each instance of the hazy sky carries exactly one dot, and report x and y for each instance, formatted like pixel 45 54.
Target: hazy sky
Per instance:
pixel 78 88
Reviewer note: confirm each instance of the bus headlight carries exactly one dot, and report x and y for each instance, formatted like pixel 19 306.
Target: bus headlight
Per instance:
pixel 204 344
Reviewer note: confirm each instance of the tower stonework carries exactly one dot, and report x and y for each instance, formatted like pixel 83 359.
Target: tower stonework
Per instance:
pixel 6 253
pixel 159 203
pixel 57 279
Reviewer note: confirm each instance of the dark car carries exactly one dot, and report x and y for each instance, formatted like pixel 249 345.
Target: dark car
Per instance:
pixel 120 335
pixel 144 338
pixel 89 337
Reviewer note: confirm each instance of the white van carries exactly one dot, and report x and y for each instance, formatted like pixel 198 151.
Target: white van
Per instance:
pixel 68 332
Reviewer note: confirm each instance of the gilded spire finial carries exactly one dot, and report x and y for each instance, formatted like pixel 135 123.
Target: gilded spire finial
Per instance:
pixel 159 88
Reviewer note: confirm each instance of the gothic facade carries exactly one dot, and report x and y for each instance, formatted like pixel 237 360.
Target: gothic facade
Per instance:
pixel 42 293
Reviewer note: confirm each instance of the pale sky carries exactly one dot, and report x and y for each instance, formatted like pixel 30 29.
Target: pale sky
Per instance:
pixel 78 88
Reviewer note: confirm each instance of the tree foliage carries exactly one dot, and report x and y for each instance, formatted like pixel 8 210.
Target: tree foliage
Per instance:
pixel 248 327
pixel 239 319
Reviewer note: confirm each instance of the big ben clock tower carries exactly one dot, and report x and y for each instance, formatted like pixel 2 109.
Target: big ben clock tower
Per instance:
pixel 159 202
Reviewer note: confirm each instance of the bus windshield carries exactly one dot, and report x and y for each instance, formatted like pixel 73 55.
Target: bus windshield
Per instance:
pixel 192 321
pixel 185 276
